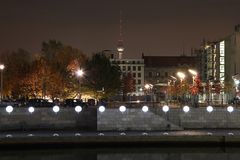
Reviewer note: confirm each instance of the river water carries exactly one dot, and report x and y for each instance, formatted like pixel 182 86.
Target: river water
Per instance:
pixel 123 154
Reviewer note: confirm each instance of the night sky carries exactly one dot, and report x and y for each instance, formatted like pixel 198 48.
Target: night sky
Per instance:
pixel 155 27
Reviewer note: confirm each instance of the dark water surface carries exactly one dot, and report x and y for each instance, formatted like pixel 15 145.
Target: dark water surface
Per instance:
pixel 123 154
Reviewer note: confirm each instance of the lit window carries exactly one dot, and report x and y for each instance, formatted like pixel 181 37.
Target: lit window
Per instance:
pixel 221 76
pixel 221 60
pixel 222 48
pixel 221 68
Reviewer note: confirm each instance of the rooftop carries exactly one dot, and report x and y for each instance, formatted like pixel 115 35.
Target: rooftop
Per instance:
pixel 169 61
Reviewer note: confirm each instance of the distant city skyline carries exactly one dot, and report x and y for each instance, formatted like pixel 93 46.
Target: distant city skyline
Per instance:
pixel 151 27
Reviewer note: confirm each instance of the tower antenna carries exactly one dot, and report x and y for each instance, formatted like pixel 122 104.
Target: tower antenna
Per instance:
pixel 120 47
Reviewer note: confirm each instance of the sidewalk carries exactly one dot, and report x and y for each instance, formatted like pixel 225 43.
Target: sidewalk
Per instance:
pixel 72 139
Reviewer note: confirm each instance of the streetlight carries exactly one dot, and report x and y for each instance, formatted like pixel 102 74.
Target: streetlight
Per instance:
pixel 194 97
pixel 193 73
pixel 1 68
pixel 181 75
pixel 79 74
pixel 148 88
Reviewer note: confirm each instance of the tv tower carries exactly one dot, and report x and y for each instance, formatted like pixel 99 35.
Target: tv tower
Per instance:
pixel 120 47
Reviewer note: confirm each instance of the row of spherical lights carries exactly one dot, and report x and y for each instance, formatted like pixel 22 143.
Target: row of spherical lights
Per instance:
pixel 122 109
pixel 31 109
pixel 166 109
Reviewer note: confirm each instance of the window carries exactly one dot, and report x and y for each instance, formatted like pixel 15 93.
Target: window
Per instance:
pixel 134 75
pixel 157 74
pixel 221 60
pixel 221 68
pixel 134 68
pixel 221 76
pixel 124 68
pixel 150 74
pixel 129 68
pixel 139 68
pixel 166 74
pixel 139 75
pixel 139 81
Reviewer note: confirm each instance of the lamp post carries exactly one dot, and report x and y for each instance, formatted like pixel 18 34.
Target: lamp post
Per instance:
pixel 182 76
pixel 79 74
pixel 2 68
pixel 194 75
pixel 171 86
pixel 148 88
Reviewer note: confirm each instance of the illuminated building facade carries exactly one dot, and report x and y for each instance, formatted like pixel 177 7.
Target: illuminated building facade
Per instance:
pixel 222 62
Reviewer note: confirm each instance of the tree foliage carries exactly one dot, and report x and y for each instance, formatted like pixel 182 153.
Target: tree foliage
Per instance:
pixel 50 73
pixel 128 83
pixel 101 78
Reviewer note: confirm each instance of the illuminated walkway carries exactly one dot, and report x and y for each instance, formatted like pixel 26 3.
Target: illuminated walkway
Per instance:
pixel 58 138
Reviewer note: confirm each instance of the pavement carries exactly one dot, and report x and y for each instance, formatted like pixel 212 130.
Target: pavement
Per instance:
pixel 120 138
pixel 29 134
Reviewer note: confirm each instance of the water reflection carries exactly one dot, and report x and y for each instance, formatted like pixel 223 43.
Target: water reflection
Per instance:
pixel 124 154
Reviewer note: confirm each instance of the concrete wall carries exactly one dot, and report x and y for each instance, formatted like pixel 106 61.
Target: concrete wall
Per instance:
pixel 112 119
pixel 175 119
pixel 45 118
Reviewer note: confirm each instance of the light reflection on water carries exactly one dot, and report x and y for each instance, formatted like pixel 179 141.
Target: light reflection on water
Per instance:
pixel 124 154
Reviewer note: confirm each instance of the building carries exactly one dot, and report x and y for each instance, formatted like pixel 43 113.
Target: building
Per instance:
pixel 221 62
pixel 160 69
pixel 136 68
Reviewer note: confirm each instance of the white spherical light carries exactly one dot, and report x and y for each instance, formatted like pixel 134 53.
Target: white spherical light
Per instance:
pixel 122 109
pixel 101 109
pixel 31 109
pixel 145 108
pixel 56 109
pixel 165 108
pixel 186 109
pixel 230 109
pixel 78 109
pixel 209 109
pixel 9 109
